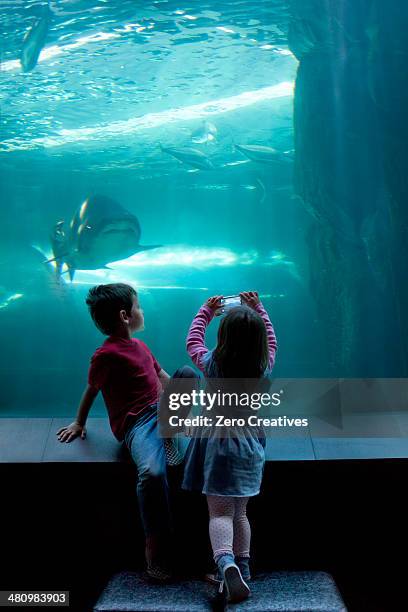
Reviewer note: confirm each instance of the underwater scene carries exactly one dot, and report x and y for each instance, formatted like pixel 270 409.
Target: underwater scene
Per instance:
pixel 195 148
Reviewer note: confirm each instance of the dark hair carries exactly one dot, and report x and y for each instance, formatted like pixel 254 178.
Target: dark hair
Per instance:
pixel 242 348
pixel 105 302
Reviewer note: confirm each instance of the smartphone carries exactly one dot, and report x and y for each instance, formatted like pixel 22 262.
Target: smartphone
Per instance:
pixel 230 301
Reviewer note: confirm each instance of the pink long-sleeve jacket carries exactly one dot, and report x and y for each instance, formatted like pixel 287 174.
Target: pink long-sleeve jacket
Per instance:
pixel 197 349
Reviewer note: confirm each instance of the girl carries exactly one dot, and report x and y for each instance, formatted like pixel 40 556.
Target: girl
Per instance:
pixel 246 348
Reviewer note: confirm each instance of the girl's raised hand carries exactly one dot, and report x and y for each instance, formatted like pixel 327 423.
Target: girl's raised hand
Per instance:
pixel 214 303
pixel 250 297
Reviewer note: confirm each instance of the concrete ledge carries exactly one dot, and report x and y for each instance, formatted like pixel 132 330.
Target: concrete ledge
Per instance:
pixel 34 440
pixel 275 592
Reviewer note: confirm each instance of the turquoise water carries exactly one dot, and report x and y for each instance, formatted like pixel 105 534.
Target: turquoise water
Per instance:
pixel 115 82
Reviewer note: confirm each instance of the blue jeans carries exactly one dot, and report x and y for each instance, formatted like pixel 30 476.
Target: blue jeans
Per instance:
pixel 147 451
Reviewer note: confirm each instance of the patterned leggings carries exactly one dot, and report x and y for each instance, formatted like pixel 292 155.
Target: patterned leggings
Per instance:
pixel 230 532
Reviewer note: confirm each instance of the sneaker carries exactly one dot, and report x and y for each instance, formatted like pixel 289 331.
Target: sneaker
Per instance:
pixel 243 564
pixel 214 577
pixel 157 573
pixel 236 588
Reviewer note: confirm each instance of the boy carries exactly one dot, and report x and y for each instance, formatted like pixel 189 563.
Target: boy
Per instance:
pixel 131 381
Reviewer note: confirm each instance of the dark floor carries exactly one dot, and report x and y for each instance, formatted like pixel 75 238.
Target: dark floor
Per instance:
pixel 70 520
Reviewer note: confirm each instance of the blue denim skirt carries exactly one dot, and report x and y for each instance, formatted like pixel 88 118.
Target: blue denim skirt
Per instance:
pixel 230 466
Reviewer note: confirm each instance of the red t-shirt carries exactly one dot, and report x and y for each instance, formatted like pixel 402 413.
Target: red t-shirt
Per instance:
pixel 126 373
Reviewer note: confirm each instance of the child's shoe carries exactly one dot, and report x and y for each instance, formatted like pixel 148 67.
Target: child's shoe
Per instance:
pixel 157 573
pixel 236 588
pixel 215 577
pixel 243 564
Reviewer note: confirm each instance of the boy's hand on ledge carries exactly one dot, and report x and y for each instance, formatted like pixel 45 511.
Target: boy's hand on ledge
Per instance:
pixel 69 433
pixel 251 298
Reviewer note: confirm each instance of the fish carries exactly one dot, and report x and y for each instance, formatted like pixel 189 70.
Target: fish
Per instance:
pixel 280 260
pixel 10 299
pixel 216 187
pixel 190 156
pixel 205 133
pixel 263 154
pixel 101 231
pixel 34 41
pixel 277 256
